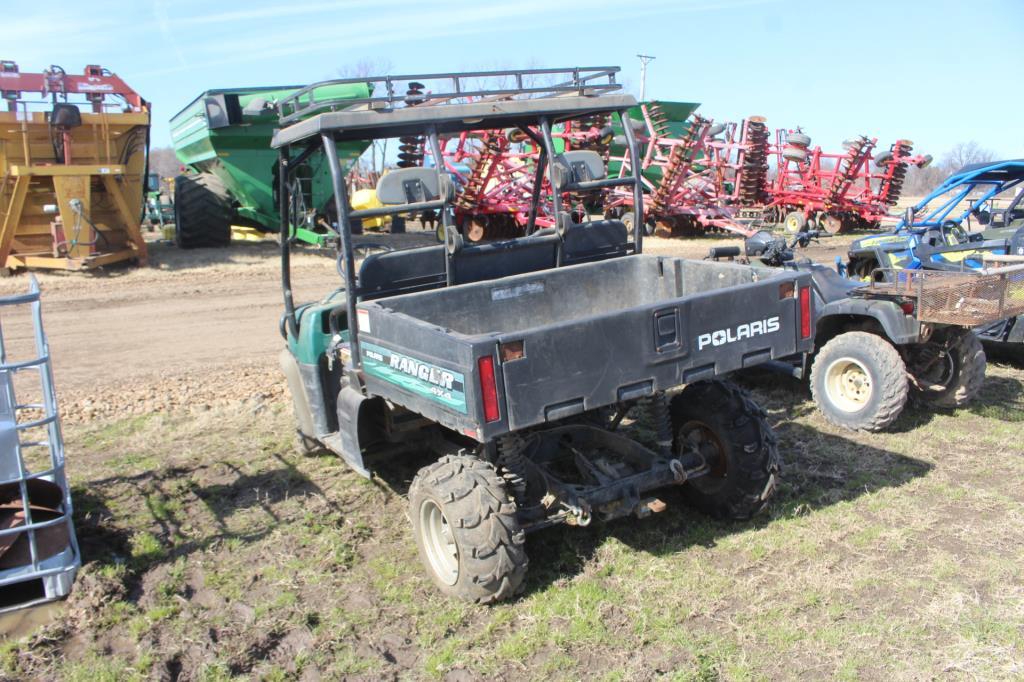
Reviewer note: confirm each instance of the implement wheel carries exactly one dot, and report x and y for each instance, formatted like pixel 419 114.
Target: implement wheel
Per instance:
pixel 464 522
pixel 202 212
pixel 721 422
pixel 795 222
pixel 859 382
pixel 949 371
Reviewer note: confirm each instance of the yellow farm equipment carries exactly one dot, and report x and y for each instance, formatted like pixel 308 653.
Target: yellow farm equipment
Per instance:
pixel 73 159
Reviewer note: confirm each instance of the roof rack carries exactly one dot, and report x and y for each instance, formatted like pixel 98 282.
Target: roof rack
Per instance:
pixel 442 88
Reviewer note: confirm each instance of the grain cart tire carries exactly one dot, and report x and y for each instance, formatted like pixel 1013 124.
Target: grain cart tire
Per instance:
pixel 464 522
pixel 729 429
pixel 859 382
pixel 795 221
pixel 955 378
pixel 202 212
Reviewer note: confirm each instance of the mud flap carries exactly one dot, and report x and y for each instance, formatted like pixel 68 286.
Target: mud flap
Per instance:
pixel 350 405
pixel 300 398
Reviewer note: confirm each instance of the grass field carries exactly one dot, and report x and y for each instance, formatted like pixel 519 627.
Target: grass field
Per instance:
pixel 213 551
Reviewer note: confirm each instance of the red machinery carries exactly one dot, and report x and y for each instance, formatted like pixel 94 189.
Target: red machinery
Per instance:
pixel 684 171
pixel 497 170
pixel 835 192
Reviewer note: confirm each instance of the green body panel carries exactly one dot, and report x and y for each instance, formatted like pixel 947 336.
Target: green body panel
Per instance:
pixel 677 114
pixel 239 153
pixel 313 340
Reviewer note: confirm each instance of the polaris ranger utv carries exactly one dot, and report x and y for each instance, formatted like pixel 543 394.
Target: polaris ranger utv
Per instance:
pixel 515 362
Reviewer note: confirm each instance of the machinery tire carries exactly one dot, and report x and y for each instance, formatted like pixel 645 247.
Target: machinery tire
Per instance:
pixel 795 221
pixel 962 378
pixel 627 220
pixel 731 431
pixel 798 139
pixel 461 504
pixel 794 154
pixel 829 223
pixel 849 364
pixel 883 159
pixel 202 212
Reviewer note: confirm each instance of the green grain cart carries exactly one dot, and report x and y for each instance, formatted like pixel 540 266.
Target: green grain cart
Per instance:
pixel 223 139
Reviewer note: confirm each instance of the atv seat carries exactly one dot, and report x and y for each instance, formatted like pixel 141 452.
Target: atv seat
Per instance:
pixel 830 285
pixel 420 269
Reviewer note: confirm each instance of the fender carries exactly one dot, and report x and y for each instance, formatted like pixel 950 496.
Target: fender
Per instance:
pixel 351 405
pixel 895 323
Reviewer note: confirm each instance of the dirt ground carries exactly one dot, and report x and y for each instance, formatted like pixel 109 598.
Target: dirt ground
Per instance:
pixel 212 551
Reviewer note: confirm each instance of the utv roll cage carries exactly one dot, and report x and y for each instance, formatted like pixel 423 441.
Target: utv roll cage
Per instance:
pixel 455 103
pixel 992 178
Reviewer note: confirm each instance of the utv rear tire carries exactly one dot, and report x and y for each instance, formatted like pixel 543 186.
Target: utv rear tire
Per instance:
pixel 729 429
pixel 465 525
pixel 202 212
pixel 963 373
pixel 859 382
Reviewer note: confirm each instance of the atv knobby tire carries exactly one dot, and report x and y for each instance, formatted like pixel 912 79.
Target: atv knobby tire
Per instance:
pixel 958 381
pixel 464 522
pixel 202 212
pixel 859 381
pixel 729 429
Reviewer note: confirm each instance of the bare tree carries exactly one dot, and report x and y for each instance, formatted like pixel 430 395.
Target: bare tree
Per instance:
pixel 920 181
pixel 164 163
pixel 365 68
pixel 965 153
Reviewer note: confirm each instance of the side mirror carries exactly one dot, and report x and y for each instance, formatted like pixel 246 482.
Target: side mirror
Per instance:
pixel 908 217
pixel 153 182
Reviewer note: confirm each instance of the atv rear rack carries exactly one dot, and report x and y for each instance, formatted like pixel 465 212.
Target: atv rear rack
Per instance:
pixel 959 298
pixel 440 88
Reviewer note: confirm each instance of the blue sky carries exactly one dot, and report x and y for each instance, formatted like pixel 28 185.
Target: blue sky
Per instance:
pixel 936 72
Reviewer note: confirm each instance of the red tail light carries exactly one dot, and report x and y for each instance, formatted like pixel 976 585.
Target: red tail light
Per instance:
pixel 488 388
pixel 805 312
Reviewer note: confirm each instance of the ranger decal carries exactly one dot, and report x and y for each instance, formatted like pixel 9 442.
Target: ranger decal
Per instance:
pixel 416 376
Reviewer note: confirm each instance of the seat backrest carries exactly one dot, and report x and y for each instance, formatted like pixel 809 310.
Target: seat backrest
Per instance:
pixel 409 270
pixel 579 165
pixel 412 185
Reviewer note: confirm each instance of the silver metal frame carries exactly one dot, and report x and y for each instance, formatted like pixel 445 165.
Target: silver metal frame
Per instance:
pixel 58 571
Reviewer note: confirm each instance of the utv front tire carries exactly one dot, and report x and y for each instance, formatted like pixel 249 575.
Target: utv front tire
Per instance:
pixel 202 212
pixel 859 382
pixel 722 422
pixel 464 522
pixel 954 378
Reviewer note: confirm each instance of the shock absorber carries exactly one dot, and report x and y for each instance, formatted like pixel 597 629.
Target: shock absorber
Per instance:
pixel 656 409
pixel 512 463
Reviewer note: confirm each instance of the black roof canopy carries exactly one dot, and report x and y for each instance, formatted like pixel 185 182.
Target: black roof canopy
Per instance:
pixel 998 171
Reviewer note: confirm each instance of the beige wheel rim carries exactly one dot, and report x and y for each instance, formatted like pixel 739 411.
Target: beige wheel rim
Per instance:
pixel 439 543
pixel 848 384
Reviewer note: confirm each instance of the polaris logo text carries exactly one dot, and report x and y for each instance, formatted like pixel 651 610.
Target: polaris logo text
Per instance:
pixel 747 330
